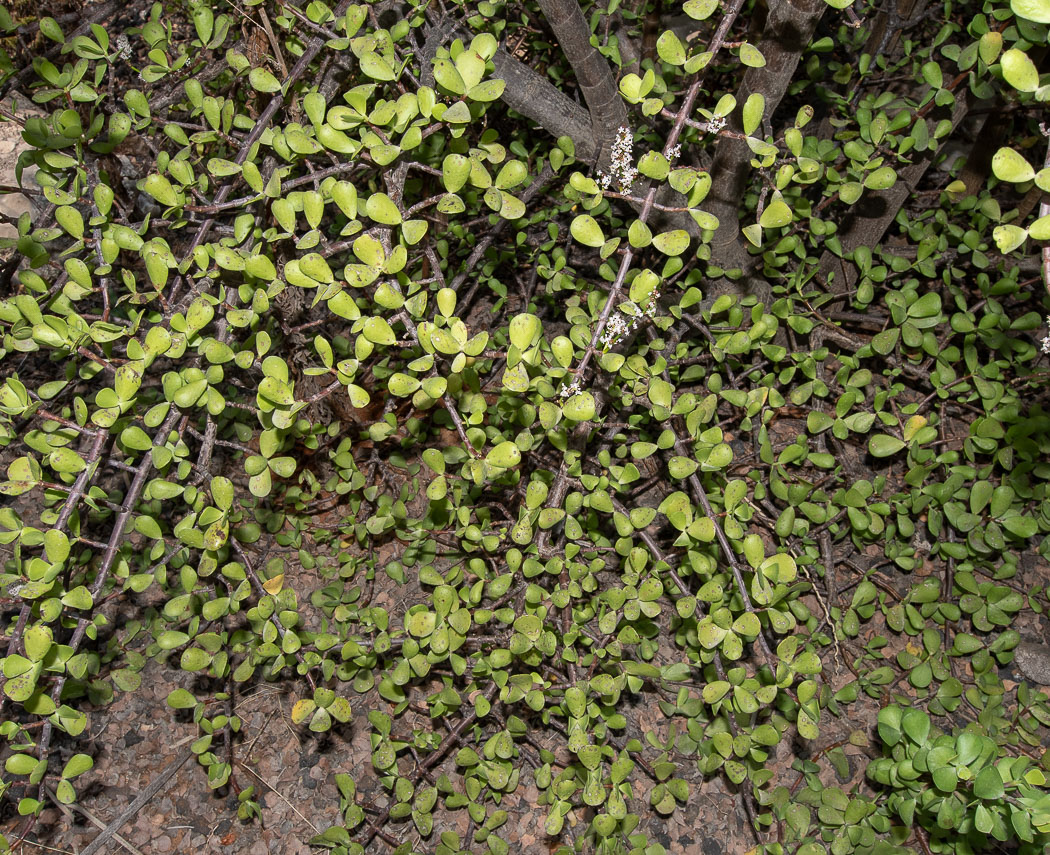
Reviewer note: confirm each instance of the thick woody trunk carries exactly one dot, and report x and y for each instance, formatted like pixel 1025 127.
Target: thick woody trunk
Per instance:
pixel 789 29
pixel 595 77
pixel 534 96
pixel 869 218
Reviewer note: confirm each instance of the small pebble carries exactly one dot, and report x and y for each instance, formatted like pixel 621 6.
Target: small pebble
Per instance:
pixel 1033 660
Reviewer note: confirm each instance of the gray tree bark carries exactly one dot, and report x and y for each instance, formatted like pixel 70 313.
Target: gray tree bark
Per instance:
pixel 596 79
pixel 869 219
pixel 536 98
pixel 789 28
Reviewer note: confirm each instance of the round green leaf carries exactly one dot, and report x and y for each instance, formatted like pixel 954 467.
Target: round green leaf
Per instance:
pixel 505 455
pixel 180 699
pixel 435 387
pixel 1008 238
pixel 20 764
pixel 446 74
pixel 56 544
pixel 753 233
pixel 524 330
pixel 488 90
pixel 851 191
pixel 670 48
pixel 881 179
pixel 1008 165
pixel 639 234
pixel 1033 10
pixel 1019 70
pixel 927 306
pixel 382 209
pixel 672 243
pixel 747 624
pixel 511 174
pixel 661 392
pixel 455 170
pixel 284 213
pixel 752 113
pixel 1021 526
pixel 50 28
pixel 1040 229
pixel 563 350
pixel 776 214
pixel 377 330
pixel 700 10
pixel 751 56
pixel 194 659
pixel 991 43
pixel 37 642
pixel 376 67
pixel 260 267
pixel 270 388
pixel 262 81
pixel 511 207
pixel 402 385
pixel 884 342
pixel 78 598
pixel 884 445
pixel 579 407
pixel 421 624
pixel 587 231
pixel 67 460
pixel 945 778
pixel 171 639
pixel 458 113
pixel 160 189
pixel 414 230
pixel 989 784
pixel 916 724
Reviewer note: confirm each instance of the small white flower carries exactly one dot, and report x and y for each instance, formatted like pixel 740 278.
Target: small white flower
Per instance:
pixel 1046 341
pixel 619 325
pixel 675 152
pixel 572 389
pixel 716 124
pixel 623 159
pixel 123 47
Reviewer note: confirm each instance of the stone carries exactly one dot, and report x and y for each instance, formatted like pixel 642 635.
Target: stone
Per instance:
pixel 1033 660
pixel 11 145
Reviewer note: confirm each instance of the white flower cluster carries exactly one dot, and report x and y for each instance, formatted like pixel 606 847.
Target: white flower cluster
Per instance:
pixel 572 389
pixel 675 153
pixel 123 47
pixel 617 327
pixel 1046 341
pixel 620 326
pixel 622 162
pixel 716 124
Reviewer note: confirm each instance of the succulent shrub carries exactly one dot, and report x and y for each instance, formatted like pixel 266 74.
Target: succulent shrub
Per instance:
pixel 703 383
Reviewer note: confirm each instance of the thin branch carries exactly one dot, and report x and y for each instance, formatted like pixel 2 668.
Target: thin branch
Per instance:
pixel 1044 210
